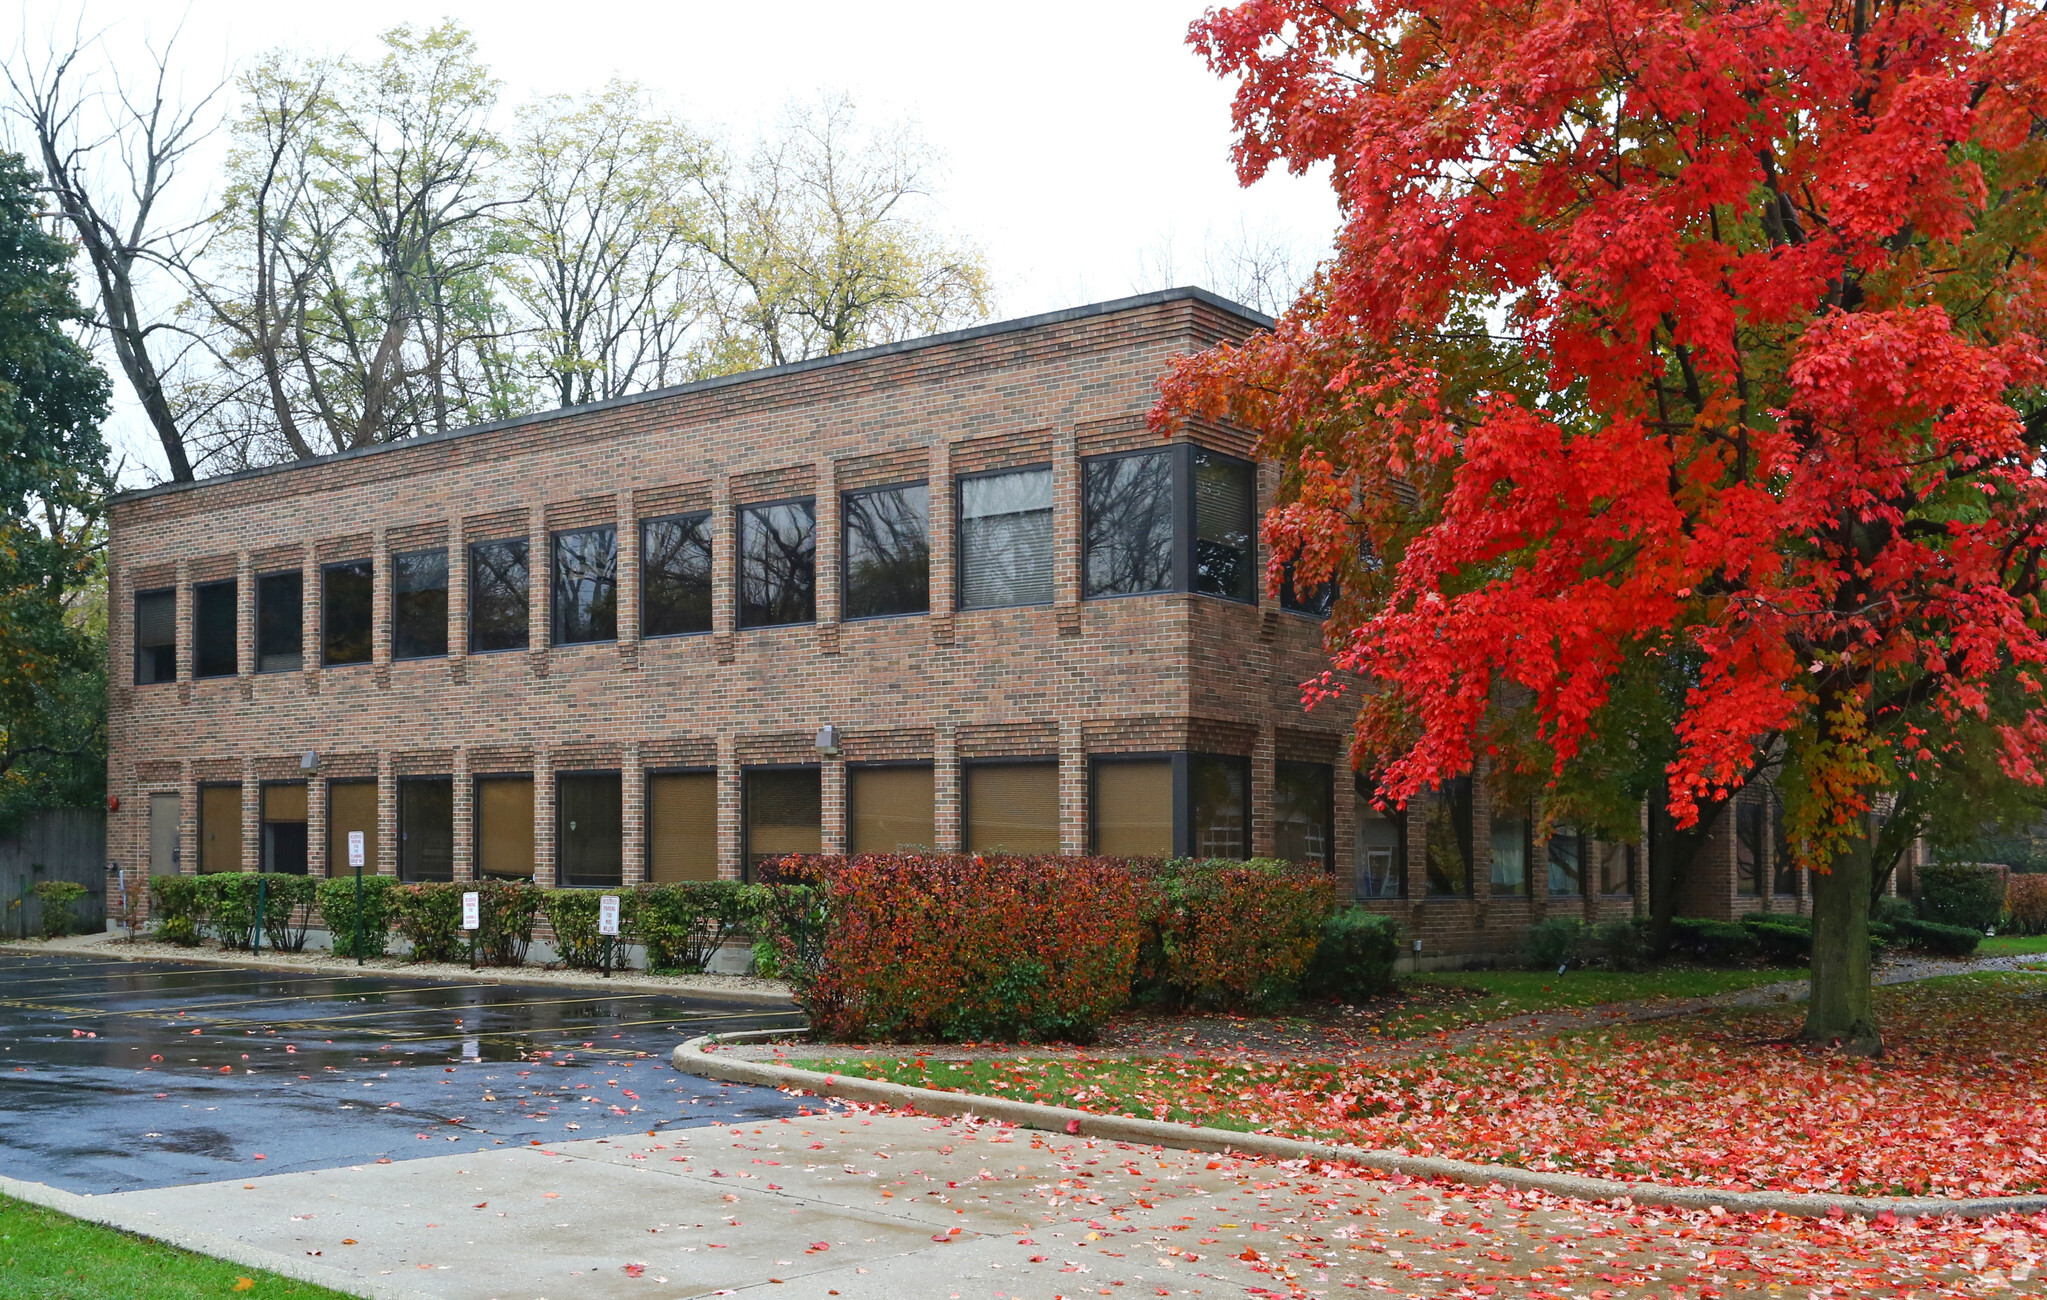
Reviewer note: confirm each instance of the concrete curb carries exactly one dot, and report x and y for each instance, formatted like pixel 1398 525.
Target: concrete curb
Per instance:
pixel 485 975
pixel 693 1058
pixel 108 1214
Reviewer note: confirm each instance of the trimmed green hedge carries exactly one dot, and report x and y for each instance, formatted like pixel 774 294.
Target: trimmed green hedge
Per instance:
pixel 1355 958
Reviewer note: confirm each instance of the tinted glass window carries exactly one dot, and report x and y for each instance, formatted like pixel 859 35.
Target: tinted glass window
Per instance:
pixel 590 828
pixel 348 594
pixel 586 585
pixel 1225 497
pixel 887 552
pixel 497 595
pixel 675 575
pixel 156 636
pixel 1317 600
pixel 426 828
pixel 1566 861
pixel 1448 846
pixel 283 845
pixel 1218 807
pixel 1382 851
pixel 280 629
pixel 1127 506
pixel 1784 867
pixel 778 564
pixel 419 604
pixel 1301 822
pixel 213 617
pixel 1510 852
pixel 1006 539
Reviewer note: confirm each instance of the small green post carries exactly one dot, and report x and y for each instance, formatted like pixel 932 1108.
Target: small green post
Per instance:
pixel 358 913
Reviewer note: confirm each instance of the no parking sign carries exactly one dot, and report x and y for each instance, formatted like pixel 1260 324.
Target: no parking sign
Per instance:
pixel 607 914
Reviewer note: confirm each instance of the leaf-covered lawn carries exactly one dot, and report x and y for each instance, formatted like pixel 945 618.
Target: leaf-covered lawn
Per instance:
pixel 1958 1107
pixel 1499 994
pixel 44 1254
pixel 2013 945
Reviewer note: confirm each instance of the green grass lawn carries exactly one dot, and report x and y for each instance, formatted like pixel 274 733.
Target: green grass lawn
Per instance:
pixel 45 1255
pixel 2013 945
pixel 1498 994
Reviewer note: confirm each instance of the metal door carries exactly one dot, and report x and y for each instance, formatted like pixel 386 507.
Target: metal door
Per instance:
pixel 163 835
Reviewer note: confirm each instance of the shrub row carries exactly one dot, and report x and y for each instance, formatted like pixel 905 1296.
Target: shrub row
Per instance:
pixel 1775 937
pixel 233 905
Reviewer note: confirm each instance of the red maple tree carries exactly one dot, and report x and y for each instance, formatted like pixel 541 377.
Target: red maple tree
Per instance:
pixel 1703 330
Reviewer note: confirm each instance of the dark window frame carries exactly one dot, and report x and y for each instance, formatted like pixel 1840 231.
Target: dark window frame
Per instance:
pixel 199 822
pixel 554 591
pixel 135 634
pixel 746 820
pixel 264 852
pixel 299 622
pixel 1181 815
pixel 1003 760
pixel 959 535
pixel 739 514
pixel 710 571
pixel 1180 563
pixel 1451 791
pixel 398 863
pixel 1243 764
pixel 1583 845
pixel 1291 601
pixel 646 817
pixel 477 781
pixel 1328 774
pixel 561 880
pixel 447 580
pixel 1190 513
pixel 845 569
pixel 1366 788
pixel 469 595
pixel 199 589
pixel 326 569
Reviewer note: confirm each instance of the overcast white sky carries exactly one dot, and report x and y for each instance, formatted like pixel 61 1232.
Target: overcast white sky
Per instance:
pixel 1078 135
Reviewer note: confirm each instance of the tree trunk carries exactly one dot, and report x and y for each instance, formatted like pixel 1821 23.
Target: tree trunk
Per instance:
pixel 1841 1012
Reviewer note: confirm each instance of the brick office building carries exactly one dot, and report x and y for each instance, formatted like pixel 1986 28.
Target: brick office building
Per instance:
pixel 948 592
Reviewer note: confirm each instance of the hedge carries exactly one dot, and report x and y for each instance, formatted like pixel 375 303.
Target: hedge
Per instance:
pixel 573 914
pixel 57 896
pixel 505 913
pixel 429 915
pixel 2025 905
pixel 1960 893
pixel 1228 935
pixel 1946 940
pixel 1355 958
pixel 683 925
pixel 175 906
pixel 337 907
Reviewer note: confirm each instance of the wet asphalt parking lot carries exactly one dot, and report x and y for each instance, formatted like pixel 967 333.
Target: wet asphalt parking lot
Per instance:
pixel 118 1075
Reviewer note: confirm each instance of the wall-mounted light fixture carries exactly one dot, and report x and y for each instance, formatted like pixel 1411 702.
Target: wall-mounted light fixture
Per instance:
pixel 310 762
pixel 828 739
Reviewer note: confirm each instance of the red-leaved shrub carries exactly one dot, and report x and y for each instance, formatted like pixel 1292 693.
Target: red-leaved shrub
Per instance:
pixel 959 948
pixel 2025 903
pixel 1233 935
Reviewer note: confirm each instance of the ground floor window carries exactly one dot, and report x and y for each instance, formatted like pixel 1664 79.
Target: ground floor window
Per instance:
pixel 220 828
pixel 504 827
pixel 1381 848
pixel 351 810
pixel 1783 865
pixel 1566 862
pixel 589 837
pixel 1303 816
pixel 784 812
pixel 1013 807
pixel 1510 843
pixel 682 826
pixel 1218 806
pixel 284 828
pixel 426 828
pixel 1617 868
pixel 1748 849
pixel 1132 807
pixel 893 809
pixel 1449 839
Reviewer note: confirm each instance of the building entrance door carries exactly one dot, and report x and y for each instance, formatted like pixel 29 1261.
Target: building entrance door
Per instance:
pixel 163 835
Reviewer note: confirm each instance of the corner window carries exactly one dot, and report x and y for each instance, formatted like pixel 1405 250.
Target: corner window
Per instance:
pixel 893 809
pixel 419 605
pixel 778 564
pixel 284 828
pixel 1448 844
pixel 1127 524
pixel 213 630
pixel 1315 601
pixel 1510 845
pixel 1225 506
pixel 1381 849
pixel 886 551
pixel 589 829
pixel 156 637
pixel 586 586
pixel 347 597
pixel 280 626
pixel 784 813
pixel 1132 807
pixel 504 827
pixel 426 828
pixel 498 578
pixel 1013 807
pixel 1005 539
pixel 1566 862
pixel 675 575
pixel 1303 829
pixel 682 826
pixel 1218 806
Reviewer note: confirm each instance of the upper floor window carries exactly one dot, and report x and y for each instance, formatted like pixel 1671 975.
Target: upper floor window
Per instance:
pixel 1315 601
pixel 586 585
pixel 214 630
pixel 1127 521
pixel 497 595
pixel 419 604
pixel 156 636
pixel 1225 507
pixel 887 551
pixel 1005 539
pixel 347 597
pixel 280 626
pixel 675 575
pixel 778 564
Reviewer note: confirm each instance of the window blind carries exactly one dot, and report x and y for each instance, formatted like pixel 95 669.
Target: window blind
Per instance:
pixel 220 828
pixel 1225 495
pixel 504 826
pixel 1006 539
pixel 1127 502
pixel 284 803
pixel 893 810
pixel 351 806
pixel 675 575
pixel 1013 808
pixel 1134 808
pixel 682 826
pixel 784 813
pixel 589 829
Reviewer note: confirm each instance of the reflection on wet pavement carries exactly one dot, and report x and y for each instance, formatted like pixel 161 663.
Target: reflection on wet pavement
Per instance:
pixel 116 1075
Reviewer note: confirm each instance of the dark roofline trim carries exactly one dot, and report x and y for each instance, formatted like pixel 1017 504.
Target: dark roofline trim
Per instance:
pixel 1137 302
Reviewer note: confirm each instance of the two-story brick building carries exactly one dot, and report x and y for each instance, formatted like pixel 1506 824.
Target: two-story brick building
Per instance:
pixel 947 593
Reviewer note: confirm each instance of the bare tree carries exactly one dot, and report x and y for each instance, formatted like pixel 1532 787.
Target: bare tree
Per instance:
pixel 1264 270
pixel 91 147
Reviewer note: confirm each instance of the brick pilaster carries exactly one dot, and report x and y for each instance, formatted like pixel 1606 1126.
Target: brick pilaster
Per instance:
pixel 832 774
pixel 316 824
pixel 539 590
pixel 632 793
pixel 1264 756
pixel 1073 835
pixel 1066 526
pixel 731 837
pixel 463 814
pixel 310 650
pixel 724 581
pixel 944 583
pixel 543 817
pixel 252 817
pixel 628 584
pixel 946 804
pixel 388 849
pixel 828 560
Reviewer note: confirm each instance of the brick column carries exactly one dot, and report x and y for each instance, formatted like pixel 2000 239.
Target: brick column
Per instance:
pixel 628 584
pixel 1066 525
pixel 632 795
pixel 382 608
pixel 832 772
pixel 252 818
pixel 187 642
pixel 245 621
pixel 724 575
pixel 1264 756
pixel 464 815
pixel 458 602
pixel 1343 851
pixel 539 590
pixel 1072 788
pixel 946 824
pixel 316 824
pixel 310 654
pixel 387 815
pixel 944 583
pixel 543 817
pixel 1641 880
pixel 828 538
pixel 731 838
pixel 188 816
pixel 1417 816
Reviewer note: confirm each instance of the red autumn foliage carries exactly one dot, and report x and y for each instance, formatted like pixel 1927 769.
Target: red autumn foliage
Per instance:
pixel 2025 901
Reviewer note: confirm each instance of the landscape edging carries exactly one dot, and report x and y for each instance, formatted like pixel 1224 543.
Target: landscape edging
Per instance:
pixel 691 1058
pixel 231 1249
